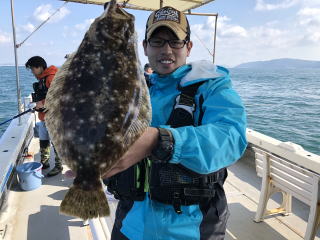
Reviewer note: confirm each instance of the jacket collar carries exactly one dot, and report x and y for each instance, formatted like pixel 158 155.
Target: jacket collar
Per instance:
pixel 48 71
pixel 172 79
pixel 188 74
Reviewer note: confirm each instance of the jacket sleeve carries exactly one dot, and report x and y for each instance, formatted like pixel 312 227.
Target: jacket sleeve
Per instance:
pixel 221 138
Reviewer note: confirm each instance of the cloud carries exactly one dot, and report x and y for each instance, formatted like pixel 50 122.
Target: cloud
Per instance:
pixel 310 16
pixel 314 37
pixel 41 14
pixel 310 3
pixel 270 40
pixel 28 27
pixel 269 37
pixel 309 20
pixel 234 31
pixel 85 25
pixel 229 35
pixel 44 11
pixel 225 29
pixel 4 37
pixel 262 6
pixel 77 31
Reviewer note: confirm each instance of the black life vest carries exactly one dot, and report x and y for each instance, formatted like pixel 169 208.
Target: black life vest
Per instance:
pixel 40 90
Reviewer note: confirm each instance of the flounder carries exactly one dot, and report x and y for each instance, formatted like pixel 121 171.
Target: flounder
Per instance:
pixel 97 106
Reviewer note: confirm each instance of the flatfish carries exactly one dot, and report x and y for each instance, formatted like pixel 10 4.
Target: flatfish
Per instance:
pixel 97 106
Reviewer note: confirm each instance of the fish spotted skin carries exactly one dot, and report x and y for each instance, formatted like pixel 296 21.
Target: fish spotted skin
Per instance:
pixel 98 104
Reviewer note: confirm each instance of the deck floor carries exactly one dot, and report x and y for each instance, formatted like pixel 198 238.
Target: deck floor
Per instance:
pixel 34 215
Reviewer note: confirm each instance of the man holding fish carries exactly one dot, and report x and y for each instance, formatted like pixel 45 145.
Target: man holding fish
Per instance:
pixel 197 130
pixel 166 166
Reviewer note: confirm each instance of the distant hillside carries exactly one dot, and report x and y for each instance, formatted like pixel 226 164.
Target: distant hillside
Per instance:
pixel 281 63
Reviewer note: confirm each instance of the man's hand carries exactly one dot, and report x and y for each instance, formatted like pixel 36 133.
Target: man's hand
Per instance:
pixel 32 106
pixel 139 150
pixel 39 105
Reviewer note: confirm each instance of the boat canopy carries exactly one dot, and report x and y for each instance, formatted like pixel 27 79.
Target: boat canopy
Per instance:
pixel 151 5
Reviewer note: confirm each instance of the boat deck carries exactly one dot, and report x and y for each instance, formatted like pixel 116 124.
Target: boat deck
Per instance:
pixel 34 215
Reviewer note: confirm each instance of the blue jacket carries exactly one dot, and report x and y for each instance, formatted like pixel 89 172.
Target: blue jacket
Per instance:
pixel 218 142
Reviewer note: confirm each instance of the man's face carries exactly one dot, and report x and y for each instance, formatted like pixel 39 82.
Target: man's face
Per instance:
pixel 149 70
pixel 36 70
pixel 165 60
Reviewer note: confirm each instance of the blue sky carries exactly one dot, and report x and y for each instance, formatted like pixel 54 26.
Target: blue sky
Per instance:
pixel 248 30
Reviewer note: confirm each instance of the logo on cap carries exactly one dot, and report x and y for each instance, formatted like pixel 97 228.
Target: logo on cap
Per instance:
pixel 167 14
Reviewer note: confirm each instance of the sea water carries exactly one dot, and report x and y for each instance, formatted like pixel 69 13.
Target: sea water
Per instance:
pixel 8 92
pixel 281 103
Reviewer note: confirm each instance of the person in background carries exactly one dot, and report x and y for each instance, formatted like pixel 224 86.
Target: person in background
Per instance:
pixel 198 129
pixel 147 73
pixel 44 75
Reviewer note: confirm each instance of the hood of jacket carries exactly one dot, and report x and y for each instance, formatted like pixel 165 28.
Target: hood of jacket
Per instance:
pixel 52 70
pixel 200 71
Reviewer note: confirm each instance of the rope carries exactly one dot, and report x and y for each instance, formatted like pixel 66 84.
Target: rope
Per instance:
pixel 124 4
pixel 20 44
pixel 203 44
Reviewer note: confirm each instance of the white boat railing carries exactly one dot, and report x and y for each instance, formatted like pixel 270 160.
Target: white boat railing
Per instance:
pixel 13 143
pixel 288 150
pixel 101 227
pixel 289 169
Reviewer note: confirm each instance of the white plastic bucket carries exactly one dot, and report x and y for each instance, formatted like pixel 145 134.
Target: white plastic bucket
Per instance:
pixel 29 175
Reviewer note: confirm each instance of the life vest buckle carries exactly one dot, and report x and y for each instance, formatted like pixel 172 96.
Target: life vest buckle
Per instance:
pixel 177 202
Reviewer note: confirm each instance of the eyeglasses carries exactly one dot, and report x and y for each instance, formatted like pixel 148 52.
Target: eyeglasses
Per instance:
pixel 159 42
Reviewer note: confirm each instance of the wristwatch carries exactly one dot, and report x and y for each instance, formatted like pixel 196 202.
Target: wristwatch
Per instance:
pixel 163 152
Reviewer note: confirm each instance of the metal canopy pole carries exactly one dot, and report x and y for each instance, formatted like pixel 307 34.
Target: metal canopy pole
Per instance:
pixel 16 60
pixel 215 38
pixel 215 28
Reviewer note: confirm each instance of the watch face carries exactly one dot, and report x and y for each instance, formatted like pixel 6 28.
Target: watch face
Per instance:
pixel 163 152
pixel 168 147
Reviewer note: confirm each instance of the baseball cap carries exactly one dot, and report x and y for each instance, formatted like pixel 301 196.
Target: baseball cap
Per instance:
pixel 170 18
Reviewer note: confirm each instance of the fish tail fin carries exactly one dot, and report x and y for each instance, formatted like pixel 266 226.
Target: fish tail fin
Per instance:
pixel 85 204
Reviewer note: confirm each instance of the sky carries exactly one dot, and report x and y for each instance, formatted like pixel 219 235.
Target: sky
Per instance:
pixel 248 30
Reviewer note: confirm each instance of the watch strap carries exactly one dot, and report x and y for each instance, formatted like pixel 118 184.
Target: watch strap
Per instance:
pixel 163 152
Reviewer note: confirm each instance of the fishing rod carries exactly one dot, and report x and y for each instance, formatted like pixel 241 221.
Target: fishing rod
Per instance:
pixel 29 110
